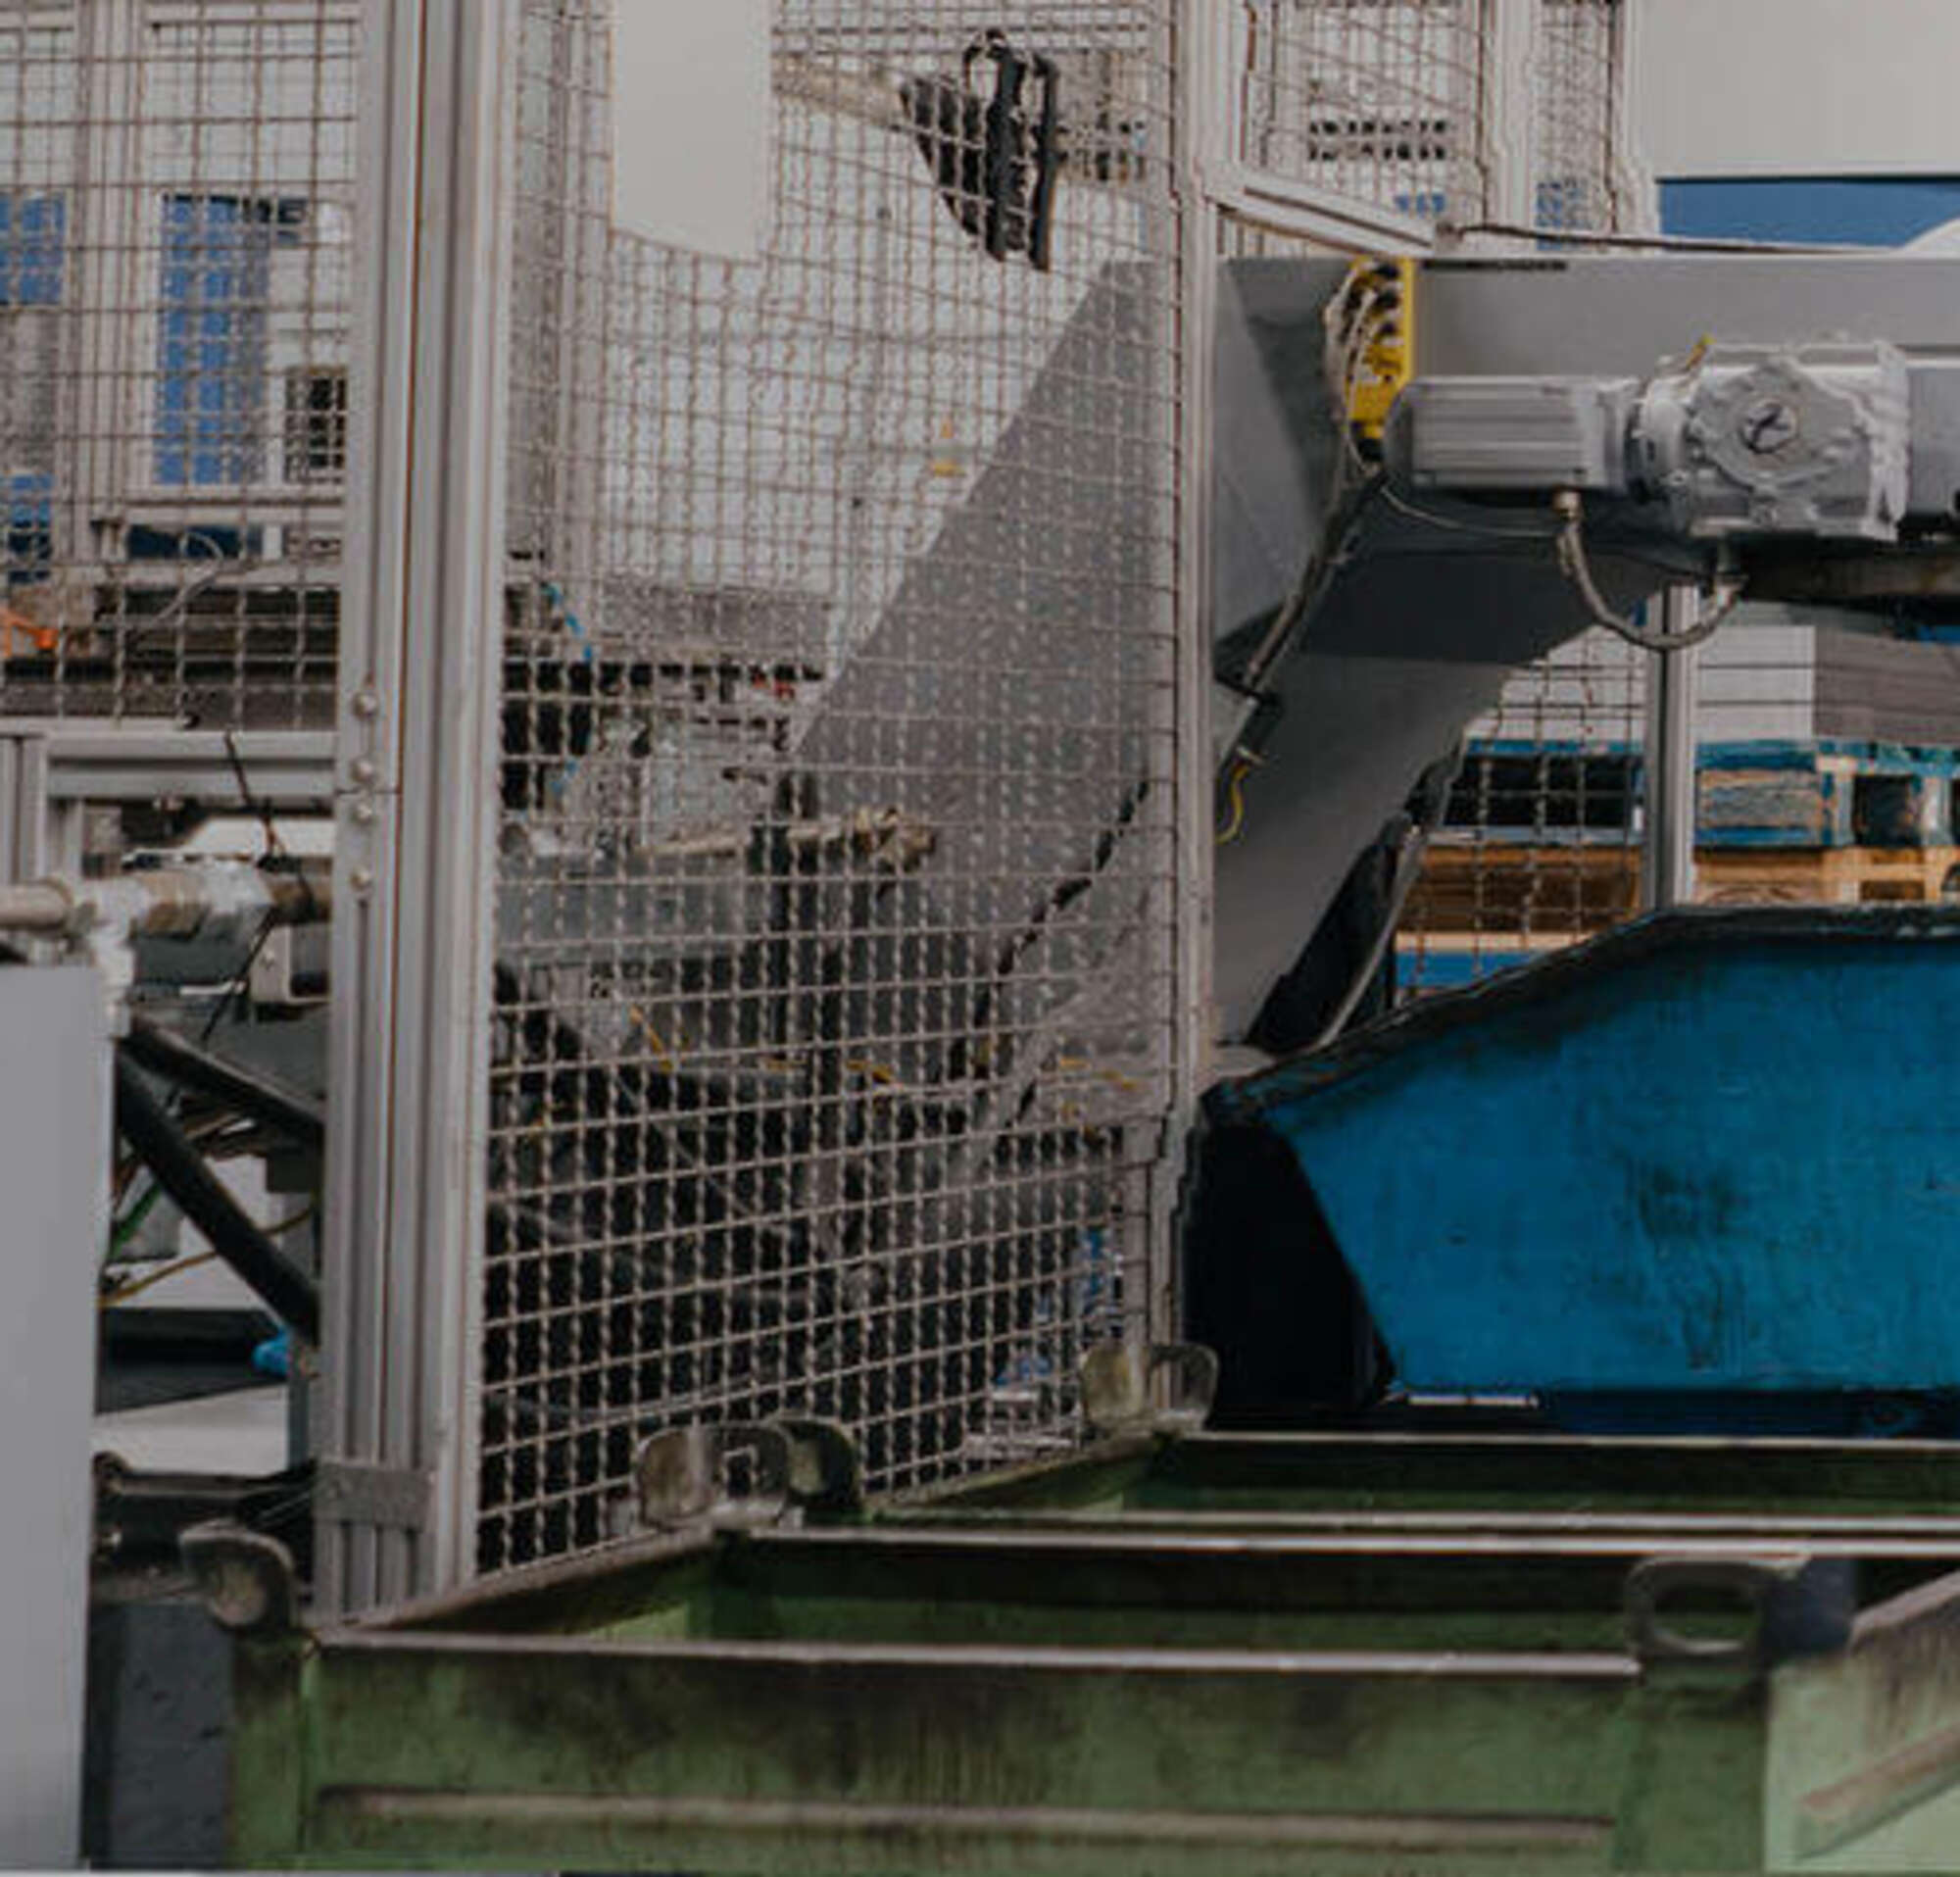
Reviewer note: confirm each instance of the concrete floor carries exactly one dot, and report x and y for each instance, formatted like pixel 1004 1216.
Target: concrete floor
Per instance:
pixel 239 1433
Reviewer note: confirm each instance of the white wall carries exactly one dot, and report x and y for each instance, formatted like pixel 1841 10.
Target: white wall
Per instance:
pixel 1797 87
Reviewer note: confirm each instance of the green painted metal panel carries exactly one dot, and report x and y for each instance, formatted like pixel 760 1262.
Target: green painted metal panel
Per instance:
pixel 1330 1660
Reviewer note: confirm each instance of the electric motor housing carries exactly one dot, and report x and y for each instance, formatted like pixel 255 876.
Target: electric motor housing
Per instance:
pixel 1753 440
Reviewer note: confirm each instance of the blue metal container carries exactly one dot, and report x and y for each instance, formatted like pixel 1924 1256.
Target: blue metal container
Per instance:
pixel 1713 1155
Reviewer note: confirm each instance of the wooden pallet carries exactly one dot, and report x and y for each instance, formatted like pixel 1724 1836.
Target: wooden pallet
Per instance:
pixel 1518 897
pixel 1827 876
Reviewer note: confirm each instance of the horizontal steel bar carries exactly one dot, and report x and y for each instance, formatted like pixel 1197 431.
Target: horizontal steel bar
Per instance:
pixel 1649 1527
pixel 1288 207
pixel 1041 1547
pixel 1438 1665
pixel 1485 1472
pixel 96 763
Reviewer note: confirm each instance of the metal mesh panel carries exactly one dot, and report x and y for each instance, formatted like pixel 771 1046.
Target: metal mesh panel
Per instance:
pixel 1374 101
pixel 835 899
pixel 1581 184
pixel 1538 847
pixel 174 254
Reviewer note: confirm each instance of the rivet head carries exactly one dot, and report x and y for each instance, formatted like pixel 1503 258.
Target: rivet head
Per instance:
pixel 367 703
pixel 362 879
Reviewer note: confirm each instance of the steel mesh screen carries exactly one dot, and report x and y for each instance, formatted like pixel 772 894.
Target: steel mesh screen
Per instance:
pixel 1539 843
pixel 1581 184
pixel 174 231
pixel 835 896
pixel 1372 101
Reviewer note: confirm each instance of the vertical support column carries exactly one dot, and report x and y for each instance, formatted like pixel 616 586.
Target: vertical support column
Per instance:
pixel 24 808
pixel 421 629
pixel 1196 53
pixel 1636 191
pixel 1507 114
pixel 1667 859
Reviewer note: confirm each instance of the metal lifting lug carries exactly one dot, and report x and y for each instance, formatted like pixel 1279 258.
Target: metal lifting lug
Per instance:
pixel 1167 1388
pixel 246 1579
pixel 734 1475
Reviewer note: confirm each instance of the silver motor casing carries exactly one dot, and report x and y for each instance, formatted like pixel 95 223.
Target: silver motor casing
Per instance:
pixel 1752 439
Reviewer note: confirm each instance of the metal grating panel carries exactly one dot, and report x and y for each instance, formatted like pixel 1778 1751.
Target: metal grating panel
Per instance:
pixel 1370 101
pixel 174 231
pixel 836 892
pixel 1581 155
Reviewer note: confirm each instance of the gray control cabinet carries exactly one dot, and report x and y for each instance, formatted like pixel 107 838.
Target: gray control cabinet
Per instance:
pixel 54 1155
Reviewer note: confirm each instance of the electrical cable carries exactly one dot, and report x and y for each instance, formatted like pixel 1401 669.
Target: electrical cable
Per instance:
pixel 1577 568
pixel 1484 531
pixel 136 1286
pixel 1408 868
pixel 1660 243
pixel 1243 763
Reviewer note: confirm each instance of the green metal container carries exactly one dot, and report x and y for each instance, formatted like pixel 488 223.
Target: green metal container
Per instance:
pixel 1198 1654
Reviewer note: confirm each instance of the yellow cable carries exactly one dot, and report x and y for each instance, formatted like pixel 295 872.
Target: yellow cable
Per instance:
pixel 1235 793
pixel 136 1287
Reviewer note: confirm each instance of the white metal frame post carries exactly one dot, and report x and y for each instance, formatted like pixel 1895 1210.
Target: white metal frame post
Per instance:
pixel 1198 121
pixel 1507 113
pixel 420 627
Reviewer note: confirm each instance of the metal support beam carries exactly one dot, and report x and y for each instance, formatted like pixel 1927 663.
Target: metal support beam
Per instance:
pixel 1667 862
pixel 1347 224
pixel 98 759
pixel 417 783
pixel 1196 81
pixel 24 809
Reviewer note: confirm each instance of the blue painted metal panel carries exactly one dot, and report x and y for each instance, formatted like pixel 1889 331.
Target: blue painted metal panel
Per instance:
pixel 1715 1152
pixel 1869 211
pixel 33 237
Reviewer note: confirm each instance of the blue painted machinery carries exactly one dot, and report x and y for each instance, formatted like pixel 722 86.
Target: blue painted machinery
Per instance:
pixel 1706 1171
pixel 1703 1172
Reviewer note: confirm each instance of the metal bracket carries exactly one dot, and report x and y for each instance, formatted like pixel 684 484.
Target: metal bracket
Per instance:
pixel 394 1498
pixel 1167 1388
pixel 246 1579
pixel 736 1474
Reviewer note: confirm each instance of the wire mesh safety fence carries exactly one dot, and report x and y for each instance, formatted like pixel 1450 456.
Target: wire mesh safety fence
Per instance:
pixel 1581 175
pixel 836 904
pixel 1368 101
pixel 1539 845
pixel 174 244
